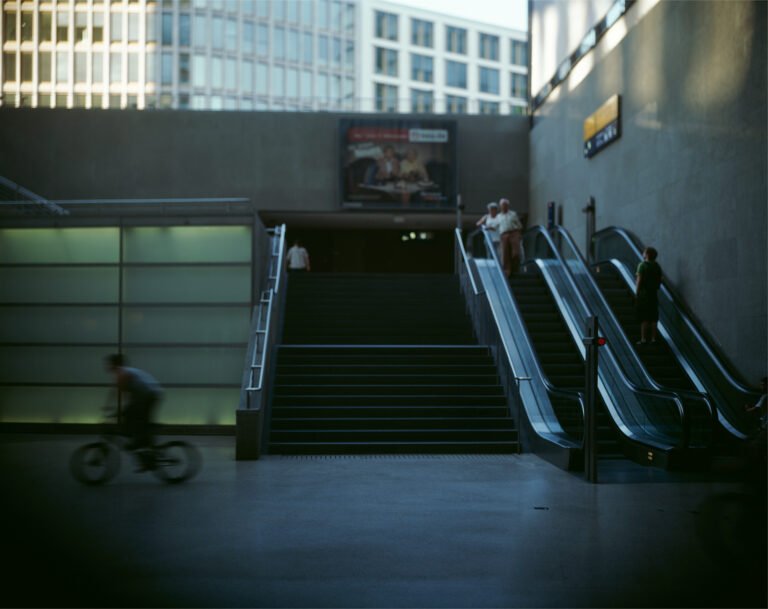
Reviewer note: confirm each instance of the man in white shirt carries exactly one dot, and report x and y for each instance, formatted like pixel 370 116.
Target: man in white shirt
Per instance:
pixel 510 229
pixel 297 258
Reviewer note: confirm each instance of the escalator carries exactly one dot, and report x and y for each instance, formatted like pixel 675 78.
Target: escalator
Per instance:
pixel 560 358
pixel 696 356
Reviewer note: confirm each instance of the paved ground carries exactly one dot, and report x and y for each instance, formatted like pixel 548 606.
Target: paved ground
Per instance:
pixel 432 531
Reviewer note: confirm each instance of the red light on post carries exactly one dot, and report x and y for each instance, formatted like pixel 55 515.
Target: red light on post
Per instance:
pixel 601 341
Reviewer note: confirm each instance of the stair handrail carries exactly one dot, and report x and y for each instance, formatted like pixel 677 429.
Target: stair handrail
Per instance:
pixel 608 325
pixel 264 320
pixel 701 339
pixel 549 418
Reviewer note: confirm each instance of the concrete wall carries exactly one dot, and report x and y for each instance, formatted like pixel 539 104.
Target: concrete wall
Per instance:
pixel 689 172
pixel 282 161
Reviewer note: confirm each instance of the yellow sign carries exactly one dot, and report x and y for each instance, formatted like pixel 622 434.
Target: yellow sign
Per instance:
pixel 605 115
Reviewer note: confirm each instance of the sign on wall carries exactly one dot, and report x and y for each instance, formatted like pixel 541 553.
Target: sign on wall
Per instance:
pixel 602 127
pixel 397 164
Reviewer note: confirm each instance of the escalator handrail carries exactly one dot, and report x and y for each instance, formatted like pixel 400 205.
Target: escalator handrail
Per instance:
pixel 655 392
pixel 704 341
pixel 656 387
pixel 548 386
pixel 465 259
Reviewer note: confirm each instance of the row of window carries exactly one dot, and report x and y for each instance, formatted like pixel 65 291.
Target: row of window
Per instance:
pixel 386 63
pixel 199 70
pixel 422 101
pixel 422 34
pixel 290 44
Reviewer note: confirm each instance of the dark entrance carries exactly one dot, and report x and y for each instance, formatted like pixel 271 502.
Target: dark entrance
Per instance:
pixel 377 251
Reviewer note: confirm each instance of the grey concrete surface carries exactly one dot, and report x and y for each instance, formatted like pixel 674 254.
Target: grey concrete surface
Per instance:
pixel 282 161
pixel 392 531
pixel 688 174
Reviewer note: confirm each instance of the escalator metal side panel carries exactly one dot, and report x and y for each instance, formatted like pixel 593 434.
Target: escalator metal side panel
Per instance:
pixel 544 436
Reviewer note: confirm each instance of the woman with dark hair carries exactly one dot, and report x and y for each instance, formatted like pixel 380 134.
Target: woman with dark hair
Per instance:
pixel 647 282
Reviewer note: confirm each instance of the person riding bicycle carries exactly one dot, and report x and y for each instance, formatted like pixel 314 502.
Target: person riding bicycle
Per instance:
pixel 144 393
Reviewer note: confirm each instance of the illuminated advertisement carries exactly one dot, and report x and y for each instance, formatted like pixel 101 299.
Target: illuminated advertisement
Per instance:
pixel 398 164
pixel 603 127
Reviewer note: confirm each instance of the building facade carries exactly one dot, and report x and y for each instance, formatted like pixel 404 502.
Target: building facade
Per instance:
pixel 294 55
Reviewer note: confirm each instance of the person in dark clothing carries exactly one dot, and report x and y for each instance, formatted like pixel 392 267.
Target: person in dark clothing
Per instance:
pixel 144 394
pixel 647 283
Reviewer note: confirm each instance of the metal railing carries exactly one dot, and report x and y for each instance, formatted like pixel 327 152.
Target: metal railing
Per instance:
pixel 265 321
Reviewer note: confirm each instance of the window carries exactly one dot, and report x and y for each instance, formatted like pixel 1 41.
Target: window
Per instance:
pixel 9 65
pixel 306 84
pixel 456 74
pixel 519 52
pixel 81 27
pixel 279 10
pixel 166 69
pixel 489 80
pixel 46 21
pixel 336 15
pixel 246 76
pixel 97 68
pixel 322 49
pixel 519 85
pixel 184 30
pixel 81 67
pixel 116 67
pixel 218 33
pixel 421 101
pixel 151 73
pixel 262 8
pixel 44 66
pixel 262 79
pixel 26 25
pixel 292 82
pixel 456 40
pixel 231 39
pixel 421 33
pixel 386 61
pixel 26 67
pixel 262 39
pixel 217 72
pixel 306 12
pixel 488 107
pixel 133 27
pixel 151 27
pixel 322 87
pixel 455 104
pixel 198 71
pixel 518 110
pixel 489 47
pixel 248 39
pixel 421 68
pixel 278 81
pixel 324 11
pixel 386 98
pixel 349 58
pixel 167 28
pixel 308 47
pixel 230 74
pixel 9 31
pixel 336 51
pixel 184 69
pixel 293 11
pixel 115 26
pixel 386 25
pixel 293 45
pixel 62 27
pixel 133 66
pixel 200 35
pixel 278 48
pixel 97 34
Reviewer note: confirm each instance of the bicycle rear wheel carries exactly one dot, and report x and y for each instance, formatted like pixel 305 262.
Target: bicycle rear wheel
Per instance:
pixel 95 463
pixel 176 461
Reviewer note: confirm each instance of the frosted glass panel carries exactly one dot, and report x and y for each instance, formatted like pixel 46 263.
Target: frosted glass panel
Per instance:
pixel 59 245
pixel 186 325
pixel 54 365
pixel 51 284
pixel 187 284
pixel 58 324
pixel 191 365
pixel 198 407
pixel 52 404
pixel 188 244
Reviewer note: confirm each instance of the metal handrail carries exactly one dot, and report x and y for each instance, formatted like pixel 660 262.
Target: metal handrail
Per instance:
pixel 655 389
pixel 464 257
pixel 267 301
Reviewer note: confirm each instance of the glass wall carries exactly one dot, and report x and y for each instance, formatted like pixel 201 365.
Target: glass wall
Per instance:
pixel 176 300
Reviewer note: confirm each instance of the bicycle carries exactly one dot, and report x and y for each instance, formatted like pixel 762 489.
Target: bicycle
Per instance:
pixel 97 463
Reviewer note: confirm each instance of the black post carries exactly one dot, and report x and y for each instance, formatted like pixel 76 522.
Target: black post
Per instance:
pixel 590 413
pixel 590 211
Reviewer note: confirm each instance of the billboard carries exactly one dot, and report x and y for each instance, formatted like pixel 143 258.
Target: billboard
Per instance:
pixel 397 164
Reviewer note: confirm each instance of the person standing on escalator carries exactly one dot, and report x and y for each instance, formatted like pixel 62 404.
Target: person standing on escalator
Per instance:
pixel 647 283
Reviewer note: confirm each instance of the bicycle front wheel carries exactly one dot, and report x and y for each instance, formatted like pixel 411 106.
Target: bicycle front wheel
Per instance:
pixel 95 463
pixel 176 461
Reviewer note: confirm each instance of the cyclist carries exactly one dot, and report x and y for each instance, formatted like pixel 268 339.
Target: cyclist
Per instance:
pixel 144 393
